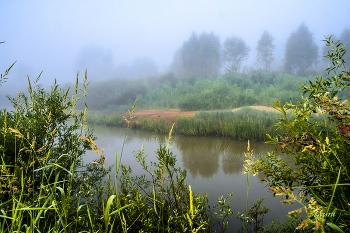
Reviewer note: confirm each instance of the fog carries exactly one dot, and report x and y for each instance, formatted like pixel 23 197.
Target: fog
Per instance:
pixel 131 39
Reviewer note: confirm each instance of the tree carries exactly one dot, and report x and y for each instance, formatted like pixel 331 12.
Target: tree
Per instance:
pixel 201 55
pixel 209 54
pixel 345 39
pixel 235 52
pixel 190 50
pixel 177 64
pixel 301 52
pixel 264 50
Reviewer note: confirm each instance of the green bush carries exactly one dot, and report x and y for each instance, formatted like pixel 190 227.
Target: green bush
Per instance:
pixel 318 150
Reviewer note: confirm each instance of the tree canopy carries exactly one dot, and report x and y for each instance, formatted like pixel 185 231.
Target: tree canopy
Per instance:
pixel 235 52
pixel 301 52
pixel 345 39
pixel 201 55
pixel 264 50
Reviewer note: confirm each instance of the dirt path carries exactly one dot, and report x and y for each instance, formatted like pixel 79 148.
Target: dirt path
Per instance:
pixel 172 114
pixel 168 116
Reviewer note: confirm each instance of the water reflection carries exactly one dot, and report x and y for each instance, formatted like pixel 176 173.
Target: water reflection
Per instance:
pixel 203 156
pixel 214 165
pixel 199 156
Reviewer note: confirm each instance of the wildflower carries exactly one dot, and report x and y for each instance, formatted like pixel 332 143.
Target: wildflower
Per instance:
pixel 341 116
pixel 304 224
pixel 287 201
pixel 298 211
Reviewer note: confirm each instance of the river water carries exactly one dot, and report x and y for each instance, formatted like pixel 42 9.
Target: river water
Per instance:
pixel 214 165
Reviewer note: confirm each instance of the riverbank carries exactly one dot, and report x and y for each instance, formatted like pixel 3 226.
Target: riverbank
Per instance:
pixel 252 122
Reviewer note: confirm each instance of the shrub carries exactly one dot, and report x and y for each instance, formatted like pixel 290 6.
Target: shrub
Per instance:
pixel 318 150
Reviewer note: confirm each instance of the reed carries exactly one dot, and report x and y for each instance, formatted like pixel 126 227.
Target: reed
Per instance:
pixel 47 187
pixel 246 123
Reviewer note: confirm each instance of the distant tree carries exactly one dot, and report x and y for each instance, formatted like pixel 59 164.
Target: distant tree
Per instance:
pixel 264 50
pixel 235 52
pixel 209 54
pixel 201 55
pixel 142 67
pixel 190 58
pixel 301 52
pixel 345 40
pixel 176 65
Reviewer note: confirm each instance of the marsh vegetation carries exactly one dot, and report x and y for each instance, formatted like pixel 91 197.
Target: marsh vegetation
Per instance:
pixel 47 187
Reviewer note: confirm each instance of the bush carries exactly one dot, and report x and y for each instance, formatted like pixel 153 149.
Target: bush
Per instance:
pixel 318 151
pixel 44 184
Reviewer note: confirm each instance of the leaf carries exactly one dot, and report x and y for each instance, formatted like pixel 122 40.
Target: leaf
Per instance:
pixel 334 227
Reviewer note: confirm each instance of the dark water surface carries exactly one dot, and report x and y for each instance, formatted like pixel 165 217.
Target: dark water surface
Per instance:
pixel 214 165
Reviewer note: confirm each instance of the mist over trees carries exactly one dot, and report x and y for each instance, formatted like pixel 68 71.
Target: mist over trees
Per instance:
pixel 264 50
pixel 100 64
pixel 201 55
pixel 235 52
pixel 345 40
pixel 301 51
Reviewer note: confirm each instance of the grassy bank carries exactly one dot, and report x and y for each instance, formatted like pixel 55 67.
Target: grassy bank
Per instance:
pixel 246 123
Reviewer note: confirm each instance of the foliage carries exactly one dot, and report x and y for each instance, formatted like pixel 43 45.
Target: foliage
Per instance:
pixel 201 55
pixel 166 91
pixel 235 52
pixel 44 184
pixel 318 150
pixel 46 187
pixel 163 201
pixel 301 52
pixel 264 50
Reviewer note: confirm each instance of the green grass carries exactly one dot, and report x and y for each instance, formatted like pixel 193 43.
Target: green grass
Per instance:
pixel 246 123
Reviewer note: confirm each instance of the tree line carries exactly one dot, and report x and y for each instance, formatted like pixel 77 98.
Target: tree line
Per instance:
pixel 203 55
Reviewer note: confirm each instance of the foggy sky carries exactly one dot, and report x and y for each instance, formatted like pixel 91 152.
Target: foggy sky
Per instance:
pixel 61 38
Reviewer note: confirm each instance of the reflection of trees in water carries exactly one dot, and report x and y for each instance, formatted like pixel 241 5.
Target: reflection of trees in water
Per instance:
pixel 232 163
pixel 200 155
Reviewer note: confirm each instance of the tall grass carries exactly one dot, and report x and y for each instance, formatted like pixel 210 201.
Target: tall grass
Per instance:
pixel 46 187
pixel 246 123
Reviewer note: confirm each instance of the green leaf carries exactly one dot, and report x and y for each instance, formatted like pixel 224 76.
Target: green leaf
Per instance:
pixel 334 227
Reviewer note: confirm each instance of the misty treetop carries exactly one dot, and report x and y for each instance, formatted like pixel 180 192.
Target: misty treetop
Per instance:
pixel 301 51
pixel 345 39
pixel 264 50
pixel 201 55
pixel 235 52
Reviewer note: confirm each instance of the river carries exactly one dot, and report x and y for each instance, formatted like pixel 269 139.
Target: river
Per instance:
pixel 214 165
